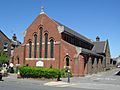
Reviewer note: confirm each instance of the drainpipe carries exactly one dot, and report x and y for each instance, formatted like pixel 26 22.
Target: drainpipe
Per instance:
pixel 24 55
pixel 59 55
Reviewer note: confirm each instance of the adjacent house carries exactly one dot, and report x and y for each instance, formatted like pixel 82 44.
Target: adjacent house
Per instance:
pixel 14 44
pixel 8 45
pixel 5 43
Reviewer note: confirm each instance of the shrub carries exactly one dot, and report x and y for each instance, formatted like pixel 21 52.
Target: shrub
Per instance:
pixel 4 58
pixel 34 72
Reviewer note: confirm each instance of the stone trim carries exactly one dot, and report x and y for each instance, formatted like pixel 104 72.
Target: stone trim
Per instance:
pixel 58 42
pixel 39 58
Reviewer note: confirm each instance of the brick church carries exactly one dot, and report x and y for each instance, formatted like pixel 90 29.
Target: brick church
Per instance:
pixel 49 43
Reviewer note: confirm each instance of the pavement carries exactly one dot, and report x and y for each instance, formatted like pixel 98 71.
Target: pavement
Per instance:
pixel 101 81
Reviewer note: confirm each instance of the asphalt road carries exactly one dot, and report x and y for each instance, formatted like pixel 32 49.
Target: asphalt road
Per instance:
pixel 12 83
pixel 102 81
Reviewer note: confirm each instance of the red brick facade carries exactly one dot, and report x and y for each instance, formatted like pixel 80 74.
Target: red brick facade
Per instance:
pixel 81 61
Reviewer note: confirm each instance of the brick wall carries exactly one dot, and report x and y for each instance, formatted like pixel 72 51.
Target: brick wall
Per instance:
pixel 4 39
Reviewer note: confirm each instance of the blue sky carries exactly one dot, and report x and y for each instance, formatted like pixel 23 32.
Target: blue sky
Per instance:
pixel 88 17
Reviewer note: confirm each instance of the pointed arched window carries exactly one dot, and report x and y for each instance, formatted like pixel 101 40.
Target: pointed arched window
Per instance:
pixel 67 61
pixel 35 45
pixel 30 49
pixel 46 45
pixel 40 43
pixel 51 48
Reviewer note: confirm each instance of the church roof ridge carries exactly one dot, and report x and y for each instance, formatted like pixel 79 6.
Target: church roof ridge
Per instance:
pixel 71 31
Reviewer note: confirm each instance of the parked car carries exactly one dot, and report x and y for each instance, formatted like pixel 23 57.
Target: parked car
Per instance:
pixel 118 66
pixel 117 73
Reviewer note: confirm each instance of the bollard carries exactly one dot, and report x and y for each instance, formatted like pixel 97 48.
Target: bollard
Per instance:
pixel 18 74
pixel 68 76
pixel 0 76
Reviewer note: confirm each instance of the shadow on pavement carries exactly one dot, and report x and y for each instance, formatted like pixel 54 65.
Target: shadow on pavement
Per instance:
pixel 1 80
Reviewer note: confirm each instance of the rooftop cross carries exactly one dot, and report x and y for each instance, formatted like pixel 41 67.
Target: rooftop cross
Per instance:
pixel 42 10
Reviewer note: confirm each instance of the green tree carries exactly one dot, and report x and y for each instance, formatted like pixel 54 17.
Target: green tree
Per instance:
pixel 4 58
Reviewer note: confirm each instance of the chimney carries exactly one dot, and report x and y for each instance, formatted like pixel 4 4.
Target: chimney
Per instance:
pixel 14 37
pixel 97 39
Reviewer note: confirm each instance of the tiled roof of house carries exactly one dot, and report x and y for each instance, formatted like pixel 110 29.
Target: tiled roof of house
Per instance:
pixel 5 35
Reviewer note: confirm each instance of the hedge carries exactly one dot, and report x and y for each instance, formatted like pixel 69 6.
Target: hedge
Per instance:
pixel 34 72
